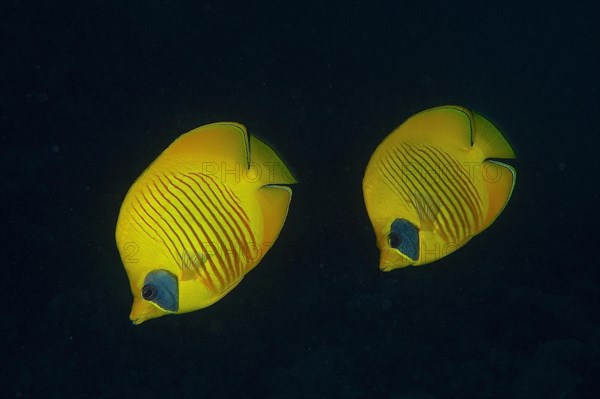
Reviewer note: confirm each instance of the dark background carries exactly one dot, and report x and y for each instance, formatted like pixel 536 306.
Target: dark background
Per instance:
pixel 93 91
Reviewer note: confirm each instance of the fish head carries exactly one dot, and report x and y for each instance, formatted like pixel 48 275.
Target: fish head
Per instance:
pixel 143 310
pixel 155 294
pixel 399 245
pixel 162 293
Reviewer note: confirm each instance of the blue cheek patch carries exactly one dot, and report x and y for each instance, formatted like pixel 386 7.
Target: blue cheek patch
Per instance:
pixel 167 289
pixel 405 238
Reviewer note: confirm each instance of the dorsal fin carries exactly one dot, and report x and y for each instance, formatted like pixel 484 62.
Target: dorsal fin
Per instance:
pixel 273 170
pixel 208 149
pixel 446 126
pixel 489 140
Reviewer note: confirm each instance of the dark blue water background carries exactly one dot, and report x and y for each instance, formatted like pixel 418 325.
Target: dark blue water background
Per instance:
pixel 93 91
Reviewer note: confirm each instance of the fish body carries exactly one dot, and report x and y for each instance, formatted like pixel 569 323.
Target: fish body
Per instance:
pixel 434 183
pixel 199 218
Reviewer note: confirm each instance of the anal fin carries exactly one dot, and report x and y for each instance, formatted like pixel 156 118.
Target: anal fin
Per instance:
pixel 427 211
pixel 274 201
pixel 500 183
pixel 191 265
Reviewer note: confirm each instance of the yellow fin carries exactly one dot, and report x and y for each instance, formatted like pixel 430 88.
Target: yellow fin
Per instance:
pixel 448 125
pixel 271 168
pixel 489 140
pixel 275 202
pixel 206 148
pixel 192 264
pixel 500 182
pixel 499 177
pixel 427 211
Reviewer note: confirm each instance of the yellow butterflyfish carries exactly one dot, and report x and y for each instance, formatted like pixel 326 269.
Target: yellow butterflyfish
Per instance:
pixel 199 218
pixel 434 183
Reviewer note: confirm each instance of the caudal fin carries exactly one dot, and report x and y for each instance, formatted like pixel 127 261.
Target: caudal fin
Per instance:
pixel 489 140
pixel 273 171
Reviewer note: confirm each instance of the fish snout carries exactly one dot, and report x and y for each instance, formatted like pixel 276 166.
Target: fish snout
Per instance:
pixel 143 310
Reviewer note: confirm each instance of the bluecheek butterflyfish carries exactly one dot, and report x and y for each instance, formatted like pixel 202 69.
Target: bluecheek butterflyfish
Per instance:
pixel 199 218
pixel 434 183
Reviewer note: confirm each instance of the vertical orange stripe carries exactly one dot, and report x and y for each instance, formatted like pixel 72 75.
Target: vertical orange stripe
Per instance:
pixel 390 172
pixel 448 189
pixel 220 260
pixel 171 250
pixel 450 225
pixel 214 266
pixel 184 256
pixel 386 170
pixel 219 208
pixel 468 187
pixel 207 279
pixel 233 204
pixel 459 188
pixel 228 263
pixel 444 194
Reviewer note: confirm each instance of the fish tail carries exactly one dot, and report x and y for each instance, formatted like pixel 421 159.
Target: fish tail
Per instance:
pixel 271 169
pixel 489 140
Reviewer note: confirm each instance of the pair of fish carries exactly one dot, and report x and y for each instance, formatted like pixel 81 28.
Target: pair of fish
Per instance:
pixel 208 209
